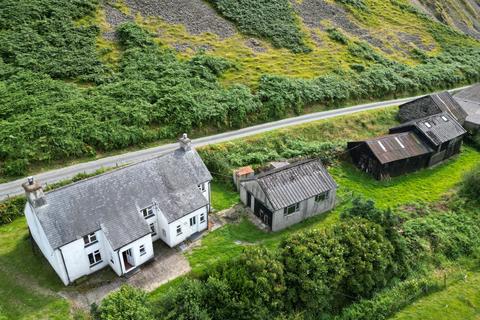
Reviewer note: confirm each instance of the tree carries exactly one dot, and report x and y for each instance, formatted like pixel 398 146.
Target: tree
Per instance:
pixel 128 303
pixel 314 267
pixel 368 257
pixel 185 302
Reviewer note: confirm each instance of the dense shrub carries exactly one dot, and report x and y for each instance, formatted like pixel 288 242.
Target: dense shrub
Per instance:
pixel 337 35
pixel 11 209
pixel 471 185
pixel 270 19
pixel 128 303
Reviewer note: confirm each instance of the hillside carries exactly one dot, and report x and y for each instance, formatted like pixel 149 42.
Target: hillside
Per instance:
pixel 84 77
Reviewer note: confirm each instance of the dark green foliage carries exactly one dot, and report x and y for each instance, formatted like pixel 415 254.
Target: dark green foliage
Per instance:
pixel 223 161
pixel 471 185
pixel 388 302
pixel 185 302
pixel 153 89
pixel 359 4
pixel 451 234
pixel 270 19
pixel 337 35
pixel 248 287
pixel 11 209
pixel 41 36
pixel 128 303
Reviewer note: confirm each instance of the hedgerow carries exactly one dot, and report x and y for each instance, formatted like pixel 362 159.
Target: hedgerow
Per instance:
pixel 270 19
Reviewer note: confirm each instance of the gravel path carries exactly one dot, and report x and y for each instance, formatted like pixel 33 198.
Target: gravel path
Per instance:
pixel 197 16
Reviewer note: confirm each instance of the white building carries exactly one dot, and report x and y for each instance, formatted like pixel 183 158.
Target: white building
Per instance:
pixel 112 219
pixel 289 193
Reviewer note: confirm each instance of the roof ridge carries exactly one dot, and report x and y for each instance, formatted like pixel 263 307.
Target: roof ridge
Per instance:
pixel 111 171
pixel 289 166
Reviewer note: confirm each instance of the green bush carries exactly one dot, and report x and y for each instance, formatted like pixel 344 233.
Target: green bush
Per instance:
pixel 270 19
pixel 470 188
pixel 337 35
pixel 128 303
pixel 11 209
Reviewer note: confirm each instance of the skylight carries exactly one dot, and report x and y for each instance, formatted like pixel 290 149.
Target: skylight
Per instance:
pixel 428 124
pixel 382 146
pixel 444 118
pixel 400 143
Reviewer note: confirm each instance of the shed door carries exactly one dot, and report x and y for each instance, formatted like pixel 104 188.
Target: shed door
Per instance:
pixel 263 213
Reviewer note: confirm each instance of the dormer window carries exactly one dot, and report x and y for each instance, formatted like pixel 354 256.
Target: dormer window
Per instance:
pixel 147 212
pixel 90 239
pixel 202 187
pixel 428 124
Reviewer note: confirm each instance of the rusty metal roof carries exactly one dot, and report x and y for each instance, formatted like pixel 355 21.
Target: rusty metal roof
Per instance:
pixel 397 146
pixel 438 128
pixel 295 183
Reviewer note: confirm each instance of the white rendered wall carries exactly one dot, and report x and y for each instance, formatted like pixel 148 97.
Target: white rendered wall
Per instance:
pixel 41 240
pixel 135 249
pixel 187 230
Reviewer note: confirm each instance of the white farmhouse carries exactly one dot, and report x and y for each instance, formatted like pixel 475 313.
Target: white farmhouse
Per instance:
pixel 112 219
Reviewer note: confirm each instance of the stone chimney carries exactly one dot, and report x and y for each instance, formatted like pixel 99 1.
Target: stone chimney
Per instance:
pixel 185 143
pixel 34 193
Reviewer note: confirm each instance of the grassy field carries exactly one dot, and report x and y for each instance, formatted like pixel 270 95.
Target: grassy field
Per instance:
pixel 458 301
pixel 28 284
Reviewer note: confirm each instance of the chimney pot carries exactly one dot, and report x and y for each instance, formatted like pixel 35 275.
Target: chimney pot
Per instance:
pixel 34 192
pixel 185 143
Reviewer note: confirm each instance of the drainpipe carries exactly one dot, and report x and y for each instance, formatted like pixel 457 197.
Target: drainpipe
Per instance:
pixel 65 266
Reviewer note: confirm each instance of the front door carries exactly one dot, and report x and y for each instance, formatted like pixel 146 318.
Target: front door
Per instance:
pixel 128 260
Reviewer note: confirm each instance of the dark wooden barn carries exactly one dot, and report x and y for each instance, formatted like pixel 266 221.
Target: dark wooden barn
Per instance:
pixel 431 105
pixel 409 147
pixel 391 155
pixel 441 132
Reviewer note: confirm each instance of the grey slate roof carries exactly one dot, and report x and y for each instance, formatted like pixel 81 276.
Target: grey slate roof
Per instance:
pixel 397 146
pixel 112 201
pixel 294 183
pixel 440 130
pixel 431 105
pixel 469 99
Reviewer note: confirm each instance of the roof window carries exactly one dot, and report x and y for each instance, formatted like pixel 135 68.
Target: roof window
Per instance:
pixel 382 146
pixel 399 143
pixel 428 124
pixel 444 118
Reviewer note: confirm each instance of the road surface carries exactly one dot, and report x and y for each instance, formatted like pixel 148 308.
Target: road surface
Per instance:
pixel 14 187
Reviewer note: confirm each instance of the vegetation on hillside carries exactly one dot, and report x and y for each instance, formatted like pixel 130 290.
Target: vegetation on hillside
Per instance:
pixel 58 101
pixel 270 19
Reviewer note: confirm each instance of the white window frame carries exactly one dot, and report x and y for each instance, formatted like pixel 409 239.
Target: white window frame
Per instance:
pixel 287 211
pixel 94 255
pixel 193 221
pixel 147 212
pixel 202 217
pixel 90 239
pixel 179 230
pixel 202 187
pixel 143 251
